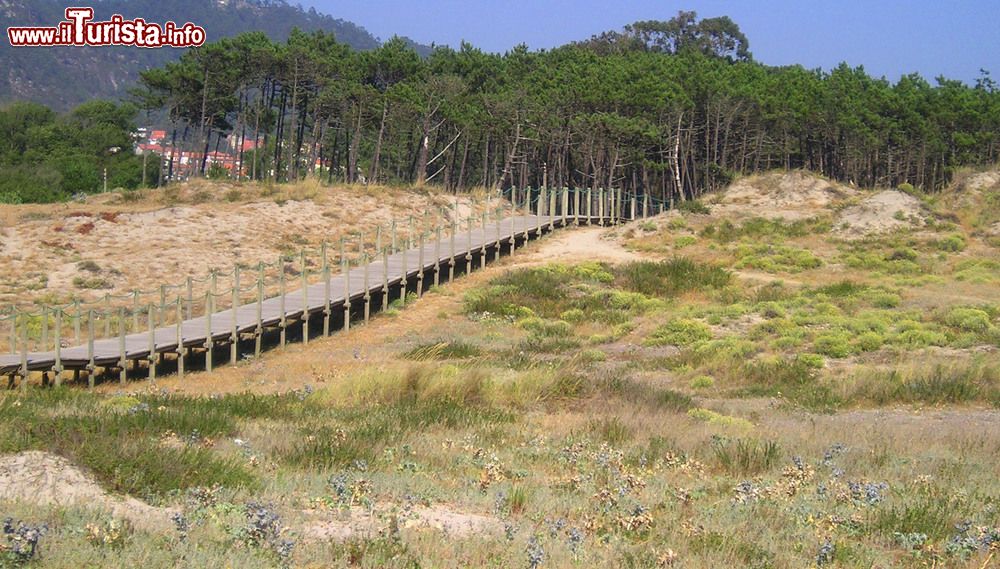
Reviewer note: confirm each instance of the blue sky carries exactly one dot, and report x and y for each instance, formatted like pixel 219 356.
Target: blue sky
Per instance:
pixel 954 38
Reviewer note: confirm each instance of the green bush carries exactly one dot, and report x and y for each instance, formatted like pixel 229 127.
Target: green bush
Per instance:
pixel 883 299
pixel 814 361
pixel 684 241
pixel 680 332
pixel 835 345
pixel 969 319
pixel 919 338
pixel 952 244
pixel 869 341
pixel 773 259
pixel 702 382
pixel 693 206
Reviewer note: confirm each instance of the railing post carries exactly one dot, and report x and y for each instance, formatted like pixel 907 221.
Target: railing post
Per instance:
pixel 527 224
pixel 13 330
pixel 368 288
pixel 576 207
pixel 152 341
pixel 190 299
pixel 403 281
pixel 395 237
pixel 590 206
pixel 468 243
pixel 326 292
pixel 385 279
pixel 91 368
pixel 283 323
pixel 451 258
pixel 24 356
pixel 645 205
pixel 234 335
pixel 482 247
pixel 538 216
pixel 513 227
pixel 107 311
pixel 437 255
pixel 76 321
pixel 552 210
pixel 135 311
pixel 565 205
pixel 122 355
pixel 163 304
pixel 58 368
pixel 499 222
pixel 633 207
pixel 259 331
pixel 180 338
pixel 345 267
pixel 209 343
pixel 45 329
pixel 305 298
pixel 420 257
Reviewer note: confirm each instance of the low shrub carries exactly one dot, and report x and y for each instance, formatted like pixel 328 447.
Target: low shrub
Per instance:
pixel 680 332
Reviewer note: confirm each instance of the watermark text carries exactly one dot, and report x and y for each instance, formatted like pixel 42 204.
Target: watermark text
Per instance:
pixel 79 29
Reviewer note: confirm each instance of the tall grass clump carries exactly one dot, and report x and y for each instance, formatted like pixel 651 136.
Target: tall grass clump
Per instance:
pixel 670 278
pixel 745 456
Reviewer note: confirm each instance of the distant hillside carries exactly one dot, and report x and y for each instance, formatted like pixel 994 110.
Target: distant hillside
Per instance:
pixel 64 77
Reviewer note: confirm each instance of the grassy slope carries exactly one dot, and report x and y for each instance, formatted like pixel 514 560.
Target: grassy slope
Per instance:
pixel 831 403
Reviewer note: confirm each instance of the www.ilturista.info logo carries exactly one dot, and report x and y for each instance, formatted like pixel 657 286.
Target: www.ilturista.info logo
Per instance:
pixel 79 30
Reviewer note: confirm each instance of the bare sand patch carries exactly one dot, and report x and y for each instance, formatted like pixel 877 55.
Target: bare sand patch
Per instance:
pixel 785 195
pixel 883 212
pixel 47 479
pixel 360 522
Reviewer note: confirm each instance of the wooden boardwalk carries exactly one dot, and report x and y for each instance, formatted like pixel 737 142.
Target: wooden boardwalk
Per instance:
pixel 350 295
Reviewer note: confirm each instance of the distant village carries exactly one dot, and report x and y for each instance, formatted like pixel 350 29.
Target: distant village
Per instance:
pixel 179 163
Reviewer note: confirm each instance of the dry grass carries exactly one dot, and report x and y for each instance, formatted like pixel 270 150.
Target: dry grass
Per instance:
pixel 738 444
pixel 188 230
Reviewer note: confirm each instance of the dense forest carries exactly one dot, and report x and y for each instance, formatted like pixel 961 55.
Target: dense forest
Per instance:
pixel 670 108
pixel 673 108
pixel 45 157
pixel 63 77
